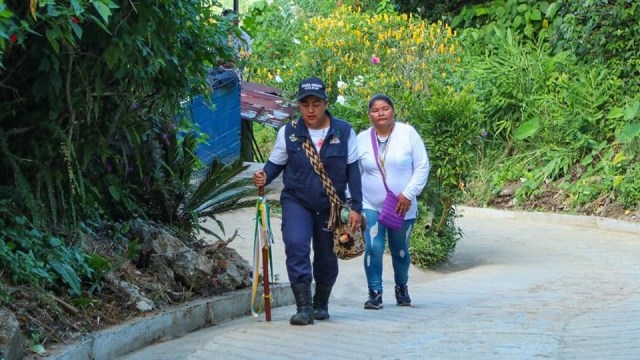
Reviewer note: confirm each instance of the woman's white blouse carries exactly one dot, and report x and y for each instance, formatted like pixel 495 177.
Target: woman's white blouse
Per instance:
pixel 406 165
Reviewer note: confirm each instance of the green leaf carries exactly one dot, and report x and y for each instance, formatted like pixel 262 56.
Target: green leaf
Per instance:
pixel 68 275
pixel 77 8
pixel 4 12
pixel 52 36
pixel 103 10
pixel 617 180
pixel 631 111
pixel 517 21
pixel 37 348
pixel 481 11
pixel 535 15
pixel 543 6
pixel 527 129
pixel 615 113
pixel 98 263
pixel 54 241
pixel 76 30
pixel 629 132
pixel 115 192
pixel 99 23
pixel 52 11
pixel 620 157
pixel 551 10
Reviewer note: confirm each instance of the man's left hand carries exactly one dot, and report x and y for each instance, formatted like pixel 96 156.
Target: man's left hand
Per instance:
pixel 355 220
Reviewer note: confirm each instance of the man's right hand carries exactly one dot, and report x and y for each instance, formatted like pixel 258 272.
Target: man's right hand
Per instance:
pixel 260 178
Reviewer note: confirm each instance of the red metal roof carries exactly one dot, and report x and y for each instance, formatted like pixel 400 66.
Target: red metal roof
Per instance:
pixel 265 104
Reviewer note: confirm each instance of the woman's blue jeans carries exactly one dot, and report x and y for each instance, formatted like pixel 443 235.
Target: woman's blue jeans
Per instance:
pixel 375 237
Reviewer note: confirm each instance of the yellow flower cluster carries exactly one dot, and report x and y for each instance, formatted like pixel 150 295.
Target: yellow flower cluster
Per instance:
pixel 390 53
pixel 408 51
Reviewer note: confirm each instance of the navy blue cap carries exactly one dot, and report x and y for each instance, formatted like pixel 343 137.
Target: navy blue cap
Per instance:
pixel 311 86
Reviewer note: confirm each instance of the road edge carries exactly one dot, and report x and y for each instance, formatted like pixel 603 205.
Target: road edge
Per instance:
pixel 171 323
pixel 586 221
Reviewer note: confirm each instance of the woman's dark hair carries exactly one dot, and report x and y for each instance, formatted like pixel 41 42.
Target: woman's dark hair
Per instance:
pixel 382 97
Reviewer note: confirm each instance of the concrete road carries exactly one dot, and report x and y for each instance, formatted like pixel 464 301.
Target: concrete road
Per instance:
pixel 515 289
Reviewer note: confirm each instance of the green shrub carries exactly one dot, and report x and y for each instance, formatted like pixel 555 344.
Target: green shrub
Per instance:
pixel 605 32
pixel 32 257
pixel 524 18
pixel 89 103
pixel 90 129
pixel 429 248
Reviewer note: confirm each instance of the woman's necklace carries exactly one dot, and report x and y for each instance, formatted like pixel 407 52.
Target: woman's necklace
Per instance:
pixel 382 143
pixel 383 146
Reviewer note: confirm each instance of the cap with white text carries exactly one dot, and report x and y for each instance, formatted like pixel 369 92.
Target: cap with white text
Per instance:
pixel 311 86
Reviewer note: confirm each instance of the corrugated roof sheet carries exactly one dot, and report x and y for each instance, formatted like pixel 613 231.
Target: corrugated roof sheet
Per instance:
pixel 265 104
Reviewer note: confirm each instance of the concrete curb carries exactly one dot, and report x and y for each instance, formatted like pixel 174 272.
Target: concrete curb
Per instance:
pixel 181 320
pixel 592 222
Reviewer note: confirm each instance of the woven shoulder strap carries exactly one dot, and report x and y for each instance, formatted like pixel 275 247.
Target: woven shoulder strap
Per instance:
pixel 318 167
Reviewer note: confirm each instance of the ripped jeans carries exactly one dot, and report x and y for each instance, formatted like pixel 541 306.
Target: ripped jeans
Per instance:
pixel 375 236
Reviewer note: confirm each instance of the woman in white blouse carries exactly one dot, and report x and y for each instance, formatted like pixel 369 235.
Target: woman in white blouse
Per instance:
pixel 403 158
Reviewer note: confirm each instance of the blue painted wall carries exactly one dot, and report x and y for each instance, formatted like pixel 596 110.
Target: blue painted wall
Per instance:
pixel 220 119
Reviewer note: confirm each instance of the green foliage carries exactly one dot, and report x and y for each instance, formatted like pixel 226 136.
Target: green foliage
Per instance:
pixel 630 132
pixel 6 27
pixel 32 257
pixel 527 18
pixel 510 82
pixel 627 186
pixel 603 31
pixel 219 190
pixel 450 131
pixel 93 100
pixel 429 248
pixel 6 293
pixel 432 10
pixel 274 29
pixel 360 54
pixel 91 130
pixel 101 267
pixel 36 340
pixel 554 124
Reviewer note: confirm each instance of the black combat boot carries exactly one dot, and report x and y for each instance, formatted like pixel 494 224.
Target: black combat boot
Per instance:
pixel 321 302
pixel 402 295
pixel 304 307
pixel 375 300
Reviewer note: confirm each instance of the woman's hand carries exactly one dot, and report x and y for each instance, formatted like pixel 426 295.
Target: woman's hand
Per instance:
pixel 354 220
pixel 259 178
pixel 403 205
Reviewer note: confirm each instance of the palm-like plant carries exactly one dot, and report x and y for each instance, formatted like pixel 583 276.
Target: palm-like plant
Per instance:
pixel 218 189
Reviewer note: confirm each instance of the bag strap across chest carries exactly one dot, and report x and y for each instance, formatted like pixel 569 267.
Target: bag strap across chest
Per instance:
pixel 318 167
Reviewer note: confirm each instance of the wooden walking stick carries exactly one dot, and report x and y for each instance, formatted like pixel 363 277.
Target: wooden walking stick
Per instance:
pixel 265 256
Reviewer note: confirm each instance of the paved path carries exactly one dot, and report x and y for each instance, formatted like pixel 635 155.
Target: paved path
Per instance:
pixel 516 289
